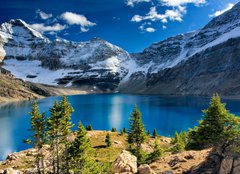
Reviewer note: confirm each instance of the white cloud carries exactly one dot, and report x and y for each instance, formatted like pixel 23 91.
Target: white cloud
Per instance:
pixel 175 14
pixel 43 28
pixel 77 19
pixel 177 3
pixel 43 15
pixel 150 29
pixel 133 2
pixel 217 13
pixel 164 27
pixel 175 10
pixel 147 29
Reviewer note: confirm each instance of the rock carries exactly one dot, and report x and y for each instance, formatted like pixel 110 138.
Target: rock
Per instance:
pixel 174 161
pixel 236 166
pixel 145 169
pixel 167 172
pixel 12 157
pixel 226 165
pixel 189 156
pixel 125 162
pixel 11 171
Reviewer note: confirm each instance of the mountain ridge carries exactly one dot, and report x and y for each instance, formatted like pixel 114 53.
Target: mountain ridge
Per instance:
pixel 98 64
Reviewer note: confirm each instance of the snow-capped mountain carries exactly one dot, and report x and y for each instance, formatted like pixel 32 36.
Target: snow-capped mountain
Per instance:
pixel 199 62
pixel 31 56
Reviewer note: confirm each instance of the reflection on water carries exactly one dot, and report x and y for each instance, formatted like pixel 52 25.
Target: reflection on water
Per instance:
pixel 166 114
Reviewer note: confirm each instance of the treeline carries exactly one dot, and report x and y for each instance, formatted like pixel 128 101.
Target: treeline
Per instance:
pixel 71 152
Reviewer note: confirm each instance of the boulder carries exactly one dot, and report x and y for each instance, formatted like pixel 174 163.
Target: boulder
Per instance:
pixel 12 157
pixel 236 166
pixel 145 169
pixel 125 162
pixel 12 171
pixel 226 165
pixel 167 172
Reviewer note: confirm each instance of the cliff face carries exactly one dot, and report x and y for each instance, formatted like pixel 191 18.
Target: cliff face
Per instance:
pixel 196 63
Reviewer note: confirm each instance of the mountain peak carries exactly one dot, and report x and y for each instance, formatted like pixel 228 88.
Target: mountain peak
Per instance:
pixel 19 27
pixel 230 17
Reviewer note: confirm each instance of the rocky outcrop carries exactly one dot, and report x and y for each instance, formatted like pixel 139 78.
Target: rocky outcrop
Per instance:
pixel 224 159
pixel 125 163
pixel 145 169
pixel 10 171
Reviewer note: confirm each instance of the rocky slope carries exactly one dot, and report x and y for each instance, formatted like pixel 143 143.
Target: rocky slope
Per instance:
pixel 200 63
pixel 122 161
pixel 12 89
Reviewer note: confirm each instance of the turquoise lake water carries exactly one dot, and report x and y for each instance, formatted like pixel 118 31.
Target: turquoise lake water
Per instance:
pixel 167 114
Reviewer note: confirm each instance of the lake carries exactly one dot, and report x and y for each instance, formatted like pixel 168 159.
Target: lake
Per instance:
pixel 168 114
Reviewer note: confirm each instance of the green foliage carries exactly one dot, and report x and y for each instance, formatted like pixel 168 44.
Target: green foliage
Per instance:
pixel 157 152
pixel 213 126
pixel 179 142
pixel 136 133
pixel 148 133
pixel 38 138
pixel 122 132
pixel 155 134
pixel 108 140
pixel 114 129
pixel 89 128
pixel 59 131
pixel 80 153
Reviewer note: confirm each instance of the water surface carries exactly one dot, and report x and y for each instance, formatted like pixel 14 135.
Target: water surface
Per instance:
pixel 167 114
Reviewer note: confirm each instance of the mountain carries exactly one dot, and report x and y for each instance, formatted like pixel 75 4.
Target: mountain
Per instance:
pixel 200 62
pixel 31 56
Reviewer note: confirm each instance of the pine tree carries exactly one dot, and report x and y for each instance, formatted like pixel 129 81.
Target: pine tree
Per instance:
pixel 38 127
pixel 54 134
pixel 155 134
pixel 114 129
pixel 65 129
pixel 157 152
pixel 108 140
pixel 212 126
pixel 136 133
pixel 179 143
pixel 80 153
pixel 89 128
pixel 124 130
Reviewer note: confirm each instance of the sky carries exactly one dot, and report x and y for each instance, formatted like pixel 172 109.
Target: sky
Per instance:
pixel 131 24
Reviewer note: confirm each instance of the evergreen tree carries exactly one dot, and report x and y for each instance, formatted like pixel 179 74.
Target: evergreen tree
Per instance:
pixel 212 126
pixel 54 134
pixel 124 130
pixel 179 143
pixel 155 134
pixel 38 127
pixel 89 128
pixel 148 133
pixel 157 152
pixel 80 153
pixel 108 140
pixel 114 129
pixel 136 133
pixel 65 129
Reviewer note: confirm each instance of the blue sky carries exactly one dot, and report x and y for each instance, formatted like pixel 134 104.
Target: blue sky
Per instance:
pixel 130 24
